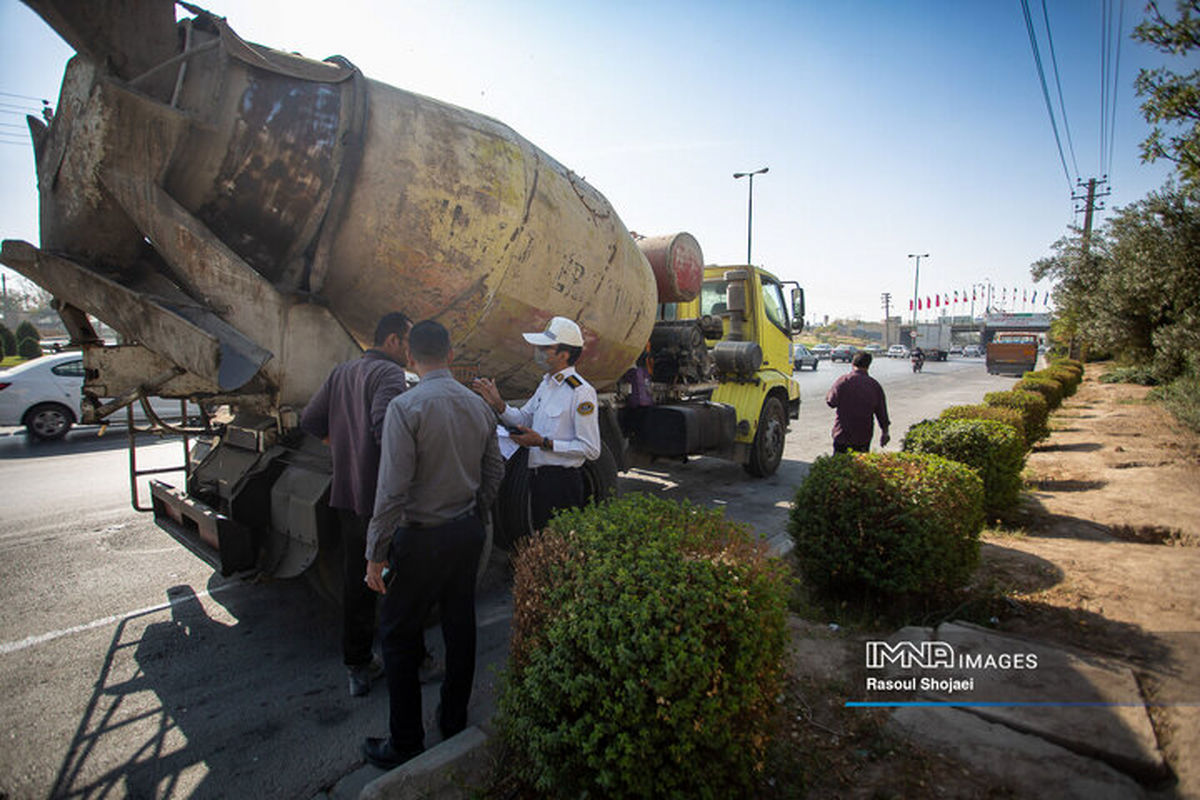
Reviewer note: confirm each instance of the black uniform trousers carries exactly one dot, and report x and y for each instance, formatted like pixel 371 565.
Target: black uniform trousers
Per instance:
pixel 358 601
pixel 552 488
pixel 430 564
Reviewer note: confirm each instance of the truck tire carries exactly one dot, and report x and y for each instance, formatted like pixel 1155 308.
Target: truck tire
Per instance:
pixel 767 449
pixel 600 477
pixel 47 422
pixel 511 512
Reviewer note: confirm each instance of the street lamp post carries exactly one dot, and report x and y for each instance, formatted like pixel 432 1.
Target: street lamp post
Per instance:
pixel 916 283
pixel 750 207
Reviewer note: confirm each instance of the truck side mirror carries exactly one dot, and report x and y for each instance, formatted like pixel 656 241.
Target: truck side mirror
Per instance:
pixel 797 309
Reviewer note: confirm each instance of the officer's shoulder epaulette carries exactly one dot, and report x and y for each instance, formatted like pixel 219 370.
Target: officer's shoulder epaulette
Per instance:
pixel 573 381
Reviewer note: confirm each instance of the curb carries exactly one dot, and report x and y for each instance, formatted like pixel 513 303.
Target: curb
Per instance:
pixel 449 771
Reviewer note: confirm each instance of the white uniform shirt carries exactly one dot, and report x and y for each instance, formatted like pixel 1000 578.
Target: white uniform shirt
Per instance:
pixel 562 409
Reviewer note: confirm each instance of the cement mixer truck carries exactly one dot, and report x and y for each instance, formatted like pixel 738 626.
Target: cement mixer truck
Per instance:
pixel 243 216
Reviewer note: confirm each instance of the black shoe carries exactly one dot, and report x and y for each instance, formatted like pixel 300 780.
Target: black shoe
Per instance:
pixel 362 676
pixel 381 753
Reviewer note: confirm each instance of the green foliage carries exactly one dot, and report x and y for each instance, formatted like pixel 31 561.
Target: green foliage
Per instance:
pixel 993 449
pixel 1172 98
pixel 1182 398
pixel 26 330
pixel 1009 416
pixel 1136 291
pixel 1068 362
pixel 8 342
pixel 1069 377
pixel 890 524
pixel 647 653
pixel 1047 387
pixel 1034 411
pixel 29 348
pixel 1139 375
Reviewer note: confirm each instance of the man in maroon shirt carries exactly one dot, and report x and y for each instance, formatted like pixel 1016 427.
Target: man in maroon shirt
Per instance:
pixel 858 398
pixel 348 412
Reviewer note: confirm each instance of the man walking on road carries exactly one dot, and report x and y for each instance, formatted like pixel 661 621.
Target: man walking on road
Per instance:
pixel 347 412
pixel 858 399
pixel 440 470
pixel 558 424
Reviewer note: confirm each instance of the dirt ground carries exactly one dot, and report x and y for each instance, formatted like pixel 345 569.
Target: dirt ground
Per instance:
pixel 1104 556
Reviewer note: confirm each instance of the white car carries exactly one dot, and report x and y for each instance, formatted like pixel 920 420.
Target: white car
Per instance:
pixel 897 351
pixel 44 394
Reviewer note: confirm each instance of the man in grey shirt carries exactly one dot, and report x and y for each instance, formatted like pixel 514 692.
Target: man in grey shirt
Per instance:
pixel 440 471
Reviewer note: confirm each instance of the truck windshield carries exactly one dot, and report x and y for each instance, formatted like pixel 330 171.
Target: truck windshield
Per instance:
pixel 712 297
pixel 773 306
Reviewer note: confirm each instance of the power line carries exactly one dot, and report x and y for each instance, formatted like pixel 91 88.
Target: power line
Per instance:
pixel 1116 82
pixel 24 97
pixel 1062 106
pixel 1037 59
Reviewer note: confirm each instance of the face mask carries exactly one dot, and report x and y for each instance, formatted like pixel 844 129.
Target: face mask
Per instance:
pixel 541 358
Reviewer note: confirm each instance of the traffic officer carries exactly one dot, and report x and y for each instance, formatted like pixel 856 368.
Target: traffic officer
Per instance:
pixel 559 423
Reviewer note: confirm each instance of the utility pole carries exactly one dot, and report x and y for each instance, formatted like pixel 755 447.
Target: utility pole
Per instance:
pixel 916 284
pixel 1090 205
pixel 750 207
pixel 886 297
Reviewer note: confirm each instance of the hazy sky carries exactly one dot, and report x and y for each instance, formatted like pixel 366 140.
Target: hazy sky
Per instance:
pixel 889 127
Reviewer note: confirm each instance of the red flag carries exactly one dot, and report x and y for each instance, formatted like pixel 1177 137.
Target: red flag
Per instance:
pixel 918 304
pixel 910 305
pixel 928 304
pixel 937 300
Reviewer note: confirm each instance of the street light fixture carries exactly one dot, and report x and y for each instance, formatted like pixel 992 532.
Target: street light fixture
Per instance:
pixel 916 283
pixel 750 207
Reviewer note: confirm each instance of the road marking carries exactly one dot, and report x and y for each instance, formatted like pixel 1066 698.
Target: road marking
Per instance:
pixel 42 638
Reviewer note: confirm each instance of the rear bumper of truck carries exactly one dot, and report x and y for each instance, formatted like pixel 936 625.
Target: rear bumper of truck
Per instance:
pixel 208 534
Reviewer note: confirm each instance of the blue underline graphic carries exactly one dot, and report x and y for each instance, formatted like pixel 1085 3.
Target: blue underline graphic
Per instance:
pixel 1004 704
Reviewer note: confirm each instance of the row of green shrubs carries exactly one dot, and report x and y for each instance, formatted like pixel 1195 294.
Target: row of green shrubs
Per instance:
pixel 892 525
pixel 648 636
pixel 24 343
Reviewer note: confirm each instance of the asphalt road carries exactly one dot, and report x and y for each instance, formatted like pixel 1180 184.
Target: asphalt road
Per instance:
pixel 128 668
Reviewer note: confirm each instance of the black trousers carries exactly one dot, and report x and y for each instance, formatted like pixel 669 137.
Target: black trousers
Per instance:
pixel 430 565
pixel 847 447
pixel 358 601
pixel 552 488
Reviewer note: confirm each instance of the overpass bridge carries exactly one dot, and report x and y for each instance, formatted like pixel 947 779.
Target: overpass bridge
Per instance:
pixel 985 326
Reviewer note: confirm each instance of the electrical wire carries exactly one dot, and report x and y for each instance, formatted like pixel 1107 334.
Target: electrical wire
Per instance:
pixel 24 97
pixel 1037 60
pixel 1116 82
pixel 1062 106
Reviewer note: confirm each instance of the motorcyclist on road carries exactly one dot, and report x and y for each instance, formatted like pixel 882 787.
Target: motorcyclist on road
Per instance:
pixel 918 359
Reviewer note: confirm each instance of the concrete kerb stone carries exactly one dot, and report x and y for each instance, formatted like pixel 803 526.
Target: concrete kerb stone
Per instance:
pixel 1106 718
pixel 1028 764
pixel 447 771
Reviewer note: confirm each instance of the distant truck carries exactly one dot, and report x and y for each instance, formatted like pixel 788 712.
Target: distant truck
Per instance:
pixel 934 340
pixel 1012 354
pixel 242 216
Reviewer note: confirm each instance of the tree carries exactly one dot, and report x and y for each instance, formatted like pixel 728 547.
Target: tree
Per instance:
pixel 8 342
pixel 1137 291
pixel 1172 98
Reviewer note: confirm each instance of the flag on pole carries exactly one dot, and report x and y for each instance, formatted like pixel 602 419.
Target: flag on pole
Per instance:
pixel 1034 301
pixel 937 300
pixel 910 308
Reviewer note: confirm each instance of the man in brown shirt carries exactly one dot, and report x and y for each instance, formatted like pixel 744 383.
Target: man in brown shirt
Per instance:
pixel 347 412
pixel 859 400
pixel 441 469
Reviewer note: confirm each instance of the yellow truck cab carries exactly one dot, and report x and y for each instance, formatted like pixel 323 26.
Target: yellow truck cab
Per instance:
pixel 748 328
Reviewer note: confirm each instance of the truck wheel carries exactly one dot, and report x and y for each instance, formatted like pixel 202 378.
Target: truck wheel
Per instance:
pixel 767 450
pixel 600 477
pixel 511 513
pixel 48 421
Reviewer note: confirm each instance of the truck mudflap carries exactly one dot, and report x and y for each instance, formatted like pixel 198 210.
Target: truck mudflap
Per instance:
pixel 220 541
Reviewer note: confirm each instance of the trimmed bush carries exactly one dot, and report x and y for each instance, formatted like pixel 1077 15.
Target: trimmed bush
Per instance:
pixel 993 449
pixel 889 524
pixel 1068 377
pixel 1008 416
pixel 8 342
pixel 1143 376
pixel 1032 406
pixel 29 348
pixel 26 330
pixel 1068 362
pixel 1047 387
pixel 647 653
